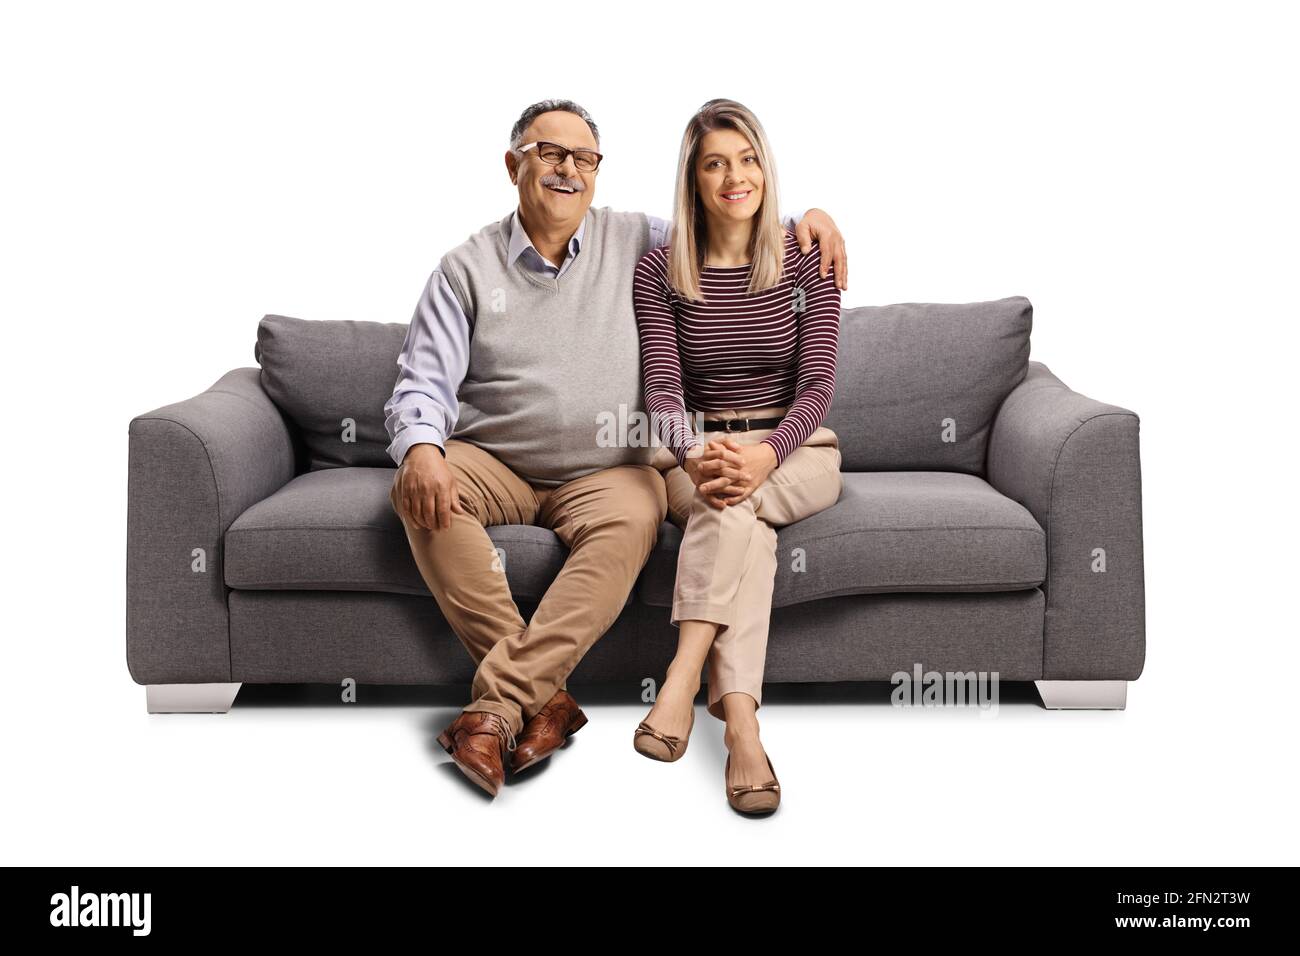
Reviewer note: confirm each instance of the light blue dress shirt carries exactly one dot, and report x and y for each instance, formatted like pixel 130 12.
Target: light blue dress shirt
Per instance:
pixel 435 355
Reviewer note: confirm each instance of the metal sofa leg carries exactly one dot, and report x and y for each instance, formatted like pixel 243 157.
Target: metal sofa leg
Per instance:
pixel 1083 694
pixel 190 698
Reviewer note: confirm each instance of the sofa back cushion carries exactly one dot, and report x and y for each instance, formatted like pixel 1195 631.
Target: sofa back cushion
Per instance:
pixel 918 384
pixel 331 380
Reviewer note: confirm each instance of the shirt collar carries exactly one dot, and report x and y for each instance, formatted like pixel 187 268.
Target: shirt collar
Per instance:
pixel 519 240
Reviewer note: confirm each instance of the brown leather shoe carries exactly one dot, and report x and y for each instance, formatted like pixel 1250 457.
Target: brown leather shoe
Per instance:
pixel 478 741
pixel 559 719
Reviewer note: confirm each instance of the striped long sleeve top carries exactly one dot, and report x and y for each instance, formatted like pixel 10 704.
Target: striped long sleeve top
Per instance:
pixel 736 350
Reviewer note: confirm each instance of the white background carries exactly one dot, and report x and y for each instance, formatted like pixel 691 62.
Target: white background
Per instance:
pixel 172 172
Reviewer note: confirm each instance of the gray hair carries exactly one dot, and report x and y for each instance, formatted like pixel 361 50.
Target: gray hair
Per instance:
pixel 549 106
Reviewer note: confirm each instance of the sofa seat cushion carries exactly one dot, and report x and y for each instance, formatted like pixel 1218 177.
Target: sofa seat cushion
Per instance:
pixel 891 531
pixel 335 530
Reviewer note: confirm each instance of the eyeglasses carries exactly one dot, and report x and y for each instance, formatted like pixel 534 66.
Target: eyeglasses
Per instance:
pixel 553 154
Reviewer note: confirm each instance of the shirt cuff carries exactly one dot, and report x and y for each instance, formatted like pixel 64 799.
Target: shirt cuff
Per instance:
pixel 419 434
pixel 683 449
pixel 791 221
pixel 778 446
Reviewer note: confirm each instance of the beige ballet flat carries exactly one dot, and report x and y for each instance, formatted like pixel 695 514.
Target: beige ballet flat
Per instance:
pixel 753 798
pixel 657 746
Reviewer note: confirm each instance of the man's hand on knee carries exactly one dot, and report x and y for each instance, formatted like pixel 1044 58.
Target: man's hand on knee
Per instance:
pixel 424 490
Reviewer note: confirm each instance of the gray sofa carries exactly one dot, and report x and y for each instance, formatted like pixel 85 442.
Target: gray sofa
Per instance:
pixel 990 521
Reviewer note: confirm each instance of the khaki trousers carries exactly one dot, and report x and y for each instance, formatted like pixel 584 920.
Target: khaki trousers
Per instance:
pixel 727 563
pixel 609 520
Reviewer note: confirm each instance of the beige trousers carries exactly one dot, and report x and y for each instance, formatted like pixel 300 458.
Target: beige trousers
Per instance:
pixel 609 520
pixel 727 563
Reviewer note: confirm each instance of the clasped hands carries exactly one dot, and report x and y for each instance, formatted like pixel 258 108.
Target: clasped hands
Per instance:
pixel 727 472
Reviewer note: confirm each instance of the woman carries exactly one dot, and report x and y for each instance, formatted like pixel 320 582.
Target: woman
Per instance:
pixel 736 325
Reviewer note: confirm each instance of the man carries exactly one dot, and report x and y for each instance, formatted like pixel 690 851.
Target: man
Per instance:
pixel 509 366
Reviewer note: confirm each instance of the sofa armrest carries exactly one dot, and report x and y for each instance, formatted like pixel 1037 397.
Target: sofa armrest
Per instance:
pixel 194 467
pixel 1074 463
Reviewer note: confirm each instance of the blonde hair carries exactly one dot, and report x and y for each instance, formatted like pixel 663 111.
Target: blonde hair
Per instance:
pixel 767 244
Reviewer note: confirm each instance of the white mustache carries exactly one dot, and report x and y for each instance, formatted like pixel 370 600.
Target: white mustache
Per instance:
pixel 552 179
